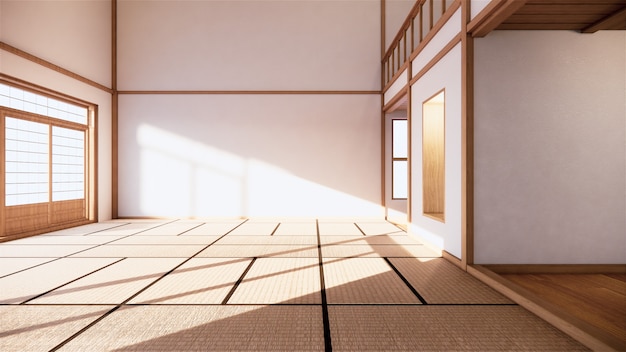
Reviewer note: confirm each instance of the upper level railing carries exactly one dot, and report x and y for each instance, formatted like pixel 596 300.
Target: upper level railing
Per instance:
pixel 421 19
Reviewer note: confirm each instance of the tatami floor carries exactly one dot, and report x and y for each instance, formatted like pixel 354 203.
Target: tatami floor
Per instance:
pixel 256 284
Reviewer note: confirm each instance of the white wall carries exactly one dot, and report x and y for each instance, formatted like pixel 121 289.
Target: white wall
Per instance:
pixel 74 35
pixel 249 45
pixel 550 158
pixel 446 74
pixel 250 154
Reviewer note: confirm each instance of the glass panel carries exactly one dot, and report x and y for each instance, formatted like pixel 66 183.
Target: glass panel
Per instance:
pixel 26 164
pixel 400 139
pixel 68 164
pixel 400 179
pixel 20 99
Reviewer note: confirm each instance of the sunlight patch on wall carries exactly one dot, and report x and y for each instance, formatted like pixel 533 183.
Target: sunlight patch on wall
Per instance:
pixel 180 177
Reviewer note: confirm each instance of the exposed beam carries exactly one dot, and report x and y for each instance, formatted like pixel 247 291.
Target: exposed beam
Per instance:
pixel 498 15
pixel 616 20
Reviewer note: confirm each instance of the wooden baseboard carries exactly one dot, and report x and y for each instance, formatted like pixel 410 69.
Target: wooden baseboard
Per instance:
pixel 590 336
pixel 557 268
pixel 452 259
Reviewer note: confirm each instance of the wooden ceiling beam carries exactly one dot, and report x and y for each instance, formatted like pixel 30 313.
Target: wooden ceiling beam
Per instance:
pixel 616 20
pixel 498 15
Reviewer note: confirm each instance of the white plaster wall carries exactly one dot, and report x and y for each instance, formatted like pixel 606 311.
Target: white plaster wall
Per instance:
pixel 75 35
pixel 397 86
pixel 249 45
pixel 250 155
pixel 16 31
pixel 446 74
pixel 550 147
pixel 444 36
pixel 477 6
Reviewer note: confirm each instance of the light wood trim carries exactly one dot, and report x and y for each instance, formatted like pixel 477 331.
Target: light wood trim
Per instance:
pixel 452 259
pixel 250 92
pixel 483 15
pixel 556 268
pixel 114 116
pixel 494 19
pixel 383 76
pixel 589 335
pixel 407 22
pixel 446 49
pixel 93 165
pixel 396 75
pixel 10 80
pixel 433 32
pixel 467 140
pixel 409 118
pixel 2 176
pixel 29 116
pixel 13 50
pixel 391 105
pixel 608 22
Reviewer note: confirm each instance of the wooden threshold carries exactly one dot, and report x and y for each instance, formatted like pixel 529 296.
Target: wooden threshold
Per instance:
pixel 559 315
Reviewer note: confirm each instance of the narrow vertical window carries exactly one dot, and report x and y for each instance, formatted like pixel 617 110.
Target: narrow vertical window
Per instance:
pixel 399 149
pixel 433 156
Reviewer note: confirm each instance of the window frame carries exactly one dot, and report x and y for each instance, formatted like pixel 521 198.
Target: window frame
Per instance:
pixel 59 213
pixel 400 159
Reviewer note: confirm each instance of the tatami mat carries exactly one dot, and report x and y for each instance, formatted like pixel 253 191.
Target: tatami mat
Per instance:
pixel 10 250
pixel 12 265
pixel 27 284
pixel 443 328
pixel 375 250
pixel 199 281
pixel 255 229
pixel 379 228
pixel 127 228
pixel 171 240
pixel 339 229
pixel 364 280
pixel 269 240
pixel 86 229
pixel 441 282
pixel 251 285
pixel 41 328
pixel 141 251
pixel 63 239
pixel 242 251
pixel 296 229
pixel 202 328
pixel 213 228
pixel 400 238
pixel 265 283
pixel 111 285
pixel 175 228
